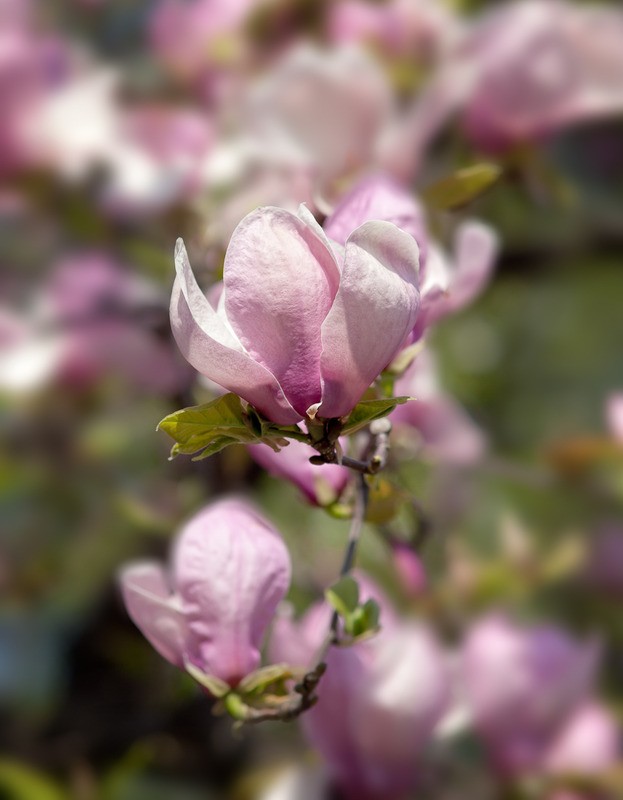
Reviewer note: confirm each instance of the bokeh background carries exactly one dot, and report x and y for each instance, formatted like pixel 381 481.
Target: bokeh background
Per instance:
pixel 127 123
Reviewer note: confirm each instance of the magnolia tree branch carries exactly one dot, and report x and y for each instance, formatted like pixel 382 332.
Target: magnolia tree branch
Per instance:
pixel 304 696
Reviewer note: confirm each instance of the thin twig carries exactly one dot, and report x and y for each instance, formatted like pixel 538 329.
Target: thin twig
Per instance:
pixel 304 696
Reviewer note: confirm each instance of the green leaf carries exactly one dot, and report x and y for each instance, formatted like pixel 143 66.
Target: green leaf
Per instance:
pixel 236 707
pixel 365 620
pixel 19 782
pixel 211 427
pixel 367 411
pixel 461 188
pixel 344 596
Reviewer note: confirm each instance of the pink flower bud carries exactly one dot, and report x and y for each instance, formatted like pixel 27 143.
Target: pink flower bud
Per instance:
pixel 522 685
pixel 300 329
pixel 321 485
pixel 230 569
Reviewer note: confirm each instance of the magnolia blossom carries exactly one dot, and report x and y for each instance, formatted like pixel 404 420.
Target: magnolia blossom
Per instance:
pixel 229 570
pixel 540 65
pixel 321 485
pixel 523 686
pixel 445 430
pixel 378 701
pixel 324 110
pixel 446 284
pixel 301 327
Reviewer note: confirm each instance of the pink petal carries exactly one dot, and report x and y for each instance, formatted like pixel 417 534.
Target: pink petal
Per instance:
pixel 154 609
pixel 588 742
pixel 378 197
pixel 210 346
pixel 614 415
pixel 374 310
pixel 280 280
pixel 231 570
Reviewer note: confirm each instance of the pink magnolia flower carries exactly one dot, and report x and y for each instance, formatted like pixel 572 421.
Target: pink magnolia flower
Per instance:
pixel 300 328
pixel 229 571
pixel 321 485
pixel 537 66
pixel 445 430
pixel 523 685
pixel 378 701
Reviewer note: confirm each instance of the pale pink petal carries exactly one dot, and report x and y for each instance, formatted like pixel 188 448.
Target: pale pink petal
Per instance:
pixel 378 197
pixel 210 346
pixel 154 609
pixel 231 570
pixel 589 742
pixel 374 310
pixel 280 280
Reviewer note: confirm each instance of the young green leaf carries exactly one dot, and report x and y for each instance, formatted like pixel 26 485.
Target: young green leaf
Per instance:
pixel 367 411
pixel 344 596
pixel 461 188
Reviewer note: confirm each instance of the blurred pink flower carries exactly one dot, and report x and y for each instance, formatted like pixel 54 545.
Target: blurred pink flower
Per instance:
pixel 300 329
pixel 185 34
pixel 589 742
pixel 321 485
pixel 324 110
pixel 523 686
pixel 414 29
pixel 538 66
pixel 229 571
pixel 158 158
pixel 98 314
pixel 379 700
pixel 409 568
pixel 446 432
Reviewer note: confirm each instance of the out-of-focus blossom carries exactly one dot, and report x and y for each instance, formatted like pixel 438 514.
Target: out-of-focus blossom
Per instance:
pixel 445 431
pixel 409 568
pixel 324 110
pixel 100 314
pixel 378 701
pixel 415 29
pixel 450 284
pixel 31 68
pixel 321 485
pixel 27 360
pixel 589 742
pixel 523 686
pixel 614 415
pixel 190 36
pixel 229 571
pixel 299 329
pixel 536 66
pixel 159 158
